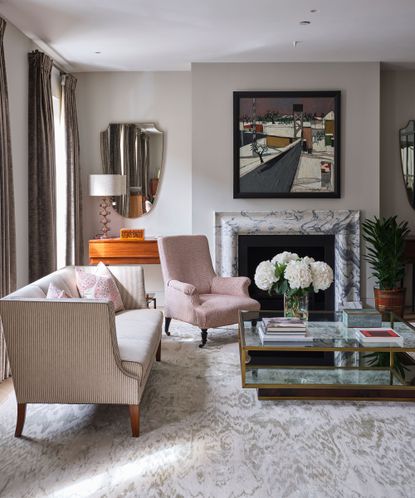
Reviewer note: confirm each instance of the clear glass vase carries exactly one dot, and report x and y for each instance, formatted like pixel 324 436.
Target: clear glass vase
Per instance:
pixel 296 306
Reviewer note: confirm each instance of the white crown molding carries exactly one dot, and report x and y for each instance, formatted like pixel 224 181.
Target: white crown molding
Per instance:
pixel 57 58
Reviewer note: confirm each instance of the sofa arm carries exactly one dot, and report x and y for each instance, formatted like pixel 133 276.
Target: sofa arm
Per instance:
pixel 233 286
pixel 187 289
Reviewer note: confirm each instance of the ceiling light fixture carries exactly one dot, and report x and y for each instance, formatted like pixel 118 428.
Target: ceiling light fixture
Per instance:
pixel 313 11
pixel 97 52
pixel 305 23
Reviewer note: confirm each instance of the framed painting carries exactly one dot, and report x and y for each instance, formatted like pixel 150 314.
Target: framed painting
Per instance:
pixel 286 144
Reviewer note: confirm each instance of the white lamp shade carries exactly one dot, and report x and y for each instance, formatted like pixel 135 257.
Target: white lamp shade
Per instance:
pixel 107 185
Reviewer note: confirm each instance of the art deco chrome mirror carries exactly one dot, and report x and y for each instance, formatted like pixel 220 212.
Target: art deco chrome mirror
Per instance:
pixel 136 151
pixel 406 143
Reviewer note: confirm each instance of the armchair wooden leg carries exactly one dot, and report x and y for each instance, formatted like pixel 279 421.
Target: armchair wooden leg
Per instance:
pixel 204 338
pixel 158 353
pixel 135 419
pixel 21 416
pixel 167 321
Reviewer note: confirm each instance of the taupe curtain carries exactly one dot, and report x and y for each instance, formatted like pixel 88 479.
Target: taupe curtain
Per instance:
pixel 42 203
pixel 7 224
pixel 74 238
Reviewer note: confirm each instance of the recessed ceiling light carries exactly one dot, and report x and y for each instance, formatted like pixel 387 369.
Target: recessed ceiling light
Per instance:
pixel 97 52
pixel 305 23
pixel 313 11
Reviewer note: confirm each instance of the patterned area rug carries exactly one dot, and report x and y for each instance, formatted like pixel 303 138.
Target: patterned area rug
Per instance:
pixel 203 436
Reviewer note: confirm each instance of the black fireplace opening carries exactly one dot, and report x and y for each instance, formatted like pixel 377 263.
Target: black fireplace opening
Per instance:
pixel 252 249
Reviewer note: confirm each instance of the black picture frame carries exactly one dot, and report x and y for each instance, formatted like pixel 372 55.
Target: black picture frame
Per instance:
pixel 262 180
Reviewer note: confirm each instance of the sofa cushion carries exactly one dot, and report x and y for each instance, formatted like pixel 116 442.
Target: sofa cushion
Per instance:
pixel 56 293
pixel 138 335
pixel 63 279
pixel 99 285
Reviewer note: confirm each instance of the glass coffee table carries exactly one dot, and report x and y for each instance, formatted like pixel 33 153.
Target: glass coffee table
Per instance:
pixel 335 365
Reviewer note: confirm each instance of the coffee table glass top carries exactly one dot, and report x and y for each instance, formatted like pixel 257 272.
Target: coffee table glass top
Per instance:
pixel 327 330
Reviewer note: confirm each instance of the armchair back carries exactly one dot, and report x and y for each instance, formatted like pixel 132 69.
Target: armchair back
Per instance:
pixel 187 258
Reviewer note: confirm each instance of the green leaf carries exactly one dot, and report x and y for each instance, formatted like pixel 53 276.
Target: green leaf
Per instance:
pixel 385 240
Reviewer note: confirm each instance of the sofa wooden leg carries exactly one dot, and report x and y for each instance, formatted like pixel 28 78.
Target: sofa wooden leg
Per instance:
pixel 204 338
pixel 158 353
pixel 167 321
pixel 21 416
pixel 135 419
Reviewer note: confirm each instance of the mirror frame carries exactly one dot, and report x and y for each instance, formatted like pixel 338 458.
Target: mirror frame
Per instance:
pixel 401 132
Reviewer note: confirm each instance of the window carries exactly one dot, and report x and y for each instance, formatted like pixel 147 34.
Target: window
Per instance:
pixel 60 176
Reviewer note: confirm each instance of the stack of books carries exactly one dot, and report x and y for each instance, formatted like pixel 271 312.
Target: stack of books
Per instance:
pixel 283 330
pixel 378 337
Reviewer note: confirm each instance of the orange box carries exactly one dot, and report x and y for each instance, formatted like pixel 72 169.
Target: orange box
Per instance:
pixel 132 233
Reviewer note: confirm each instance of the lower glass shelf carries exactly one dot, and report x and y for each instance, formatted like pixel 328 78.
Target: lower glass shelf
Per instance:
pixel 324 377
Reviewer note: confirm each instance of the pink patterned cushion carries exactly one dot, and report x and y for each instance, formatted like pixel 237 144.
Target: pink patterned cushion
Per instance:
pixel 55 293
pixel 99 285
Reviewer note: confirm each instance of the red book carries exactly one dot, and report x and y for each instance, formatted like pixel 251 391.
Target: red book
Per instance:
pixel 379 337
pixel 379 333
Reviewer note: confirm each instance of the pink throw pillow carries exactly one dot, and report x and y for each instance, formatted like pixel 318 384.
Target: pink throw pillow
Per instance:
pixel 55 293
pixel 99 285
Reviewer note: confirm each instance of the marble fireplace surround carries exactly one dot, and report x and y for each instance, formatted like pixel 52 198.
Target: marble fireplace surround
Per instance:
pixel 343 224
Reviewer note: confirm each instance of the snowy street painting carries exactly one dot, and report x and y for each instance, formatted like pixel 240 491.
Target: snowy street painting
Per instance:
pixel 286 144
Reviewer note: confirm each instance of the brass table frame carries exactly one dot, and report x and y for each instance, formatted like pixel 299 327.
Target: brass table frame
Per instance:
pixel 272 391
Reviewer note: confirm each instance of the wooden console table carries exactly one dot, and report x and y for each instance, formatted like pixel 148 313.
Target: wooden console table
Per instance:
pixel 123 251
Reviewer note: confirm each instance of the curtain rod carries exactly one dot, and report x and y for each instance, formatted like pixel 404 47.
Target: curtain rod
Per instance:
pixel 54 63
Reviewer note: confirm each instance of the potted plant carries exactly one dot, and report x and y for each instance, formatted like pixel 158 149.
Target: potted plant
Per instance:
pixel 385 239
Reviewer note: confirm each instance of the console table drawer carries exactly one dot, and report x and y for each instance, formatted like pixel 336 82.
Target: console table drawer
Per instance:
pixel 123 251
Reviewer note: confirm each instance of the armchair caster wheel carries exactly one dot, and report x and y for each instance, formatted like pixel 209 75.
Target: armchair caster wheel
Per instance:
pixel 204 338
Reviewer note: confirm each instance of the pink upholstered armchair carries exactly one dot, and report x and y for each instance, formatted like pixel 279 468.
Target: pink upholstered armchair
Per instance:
pixel 193 292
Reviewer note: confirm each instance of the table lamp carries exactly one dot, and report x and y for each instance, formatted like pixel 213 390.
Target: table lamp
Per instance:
pixel 106 186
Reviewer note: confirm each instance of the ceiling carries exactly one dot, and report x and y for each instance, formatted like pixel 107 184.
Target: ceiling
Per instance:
pixel 137 35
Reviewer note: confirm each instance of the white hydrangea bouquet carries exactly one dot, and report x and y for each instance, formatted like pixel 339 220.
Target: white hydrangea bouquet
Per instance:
pixel 294 278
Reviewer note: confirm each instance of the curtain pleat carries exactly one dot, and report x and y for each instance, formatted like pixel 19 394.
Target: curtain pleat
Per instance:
pixel 42 201
pixel 7 219
pixel 74 237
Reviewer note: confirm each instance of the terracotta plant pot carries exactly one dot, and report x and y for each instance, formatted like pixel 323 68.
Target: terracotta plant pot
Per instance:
pixel 390 300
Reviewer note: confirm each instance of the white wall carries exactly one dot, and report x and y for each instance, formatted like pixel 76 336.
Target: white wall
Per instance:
pixel 212 144
pixel 195 111
pixel 397 108
pixel 16 48
pixel 162 97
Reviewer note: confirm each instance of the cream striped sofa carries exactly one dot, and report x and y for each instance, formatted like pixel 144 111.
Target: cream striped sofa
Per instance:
pixel 78 350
